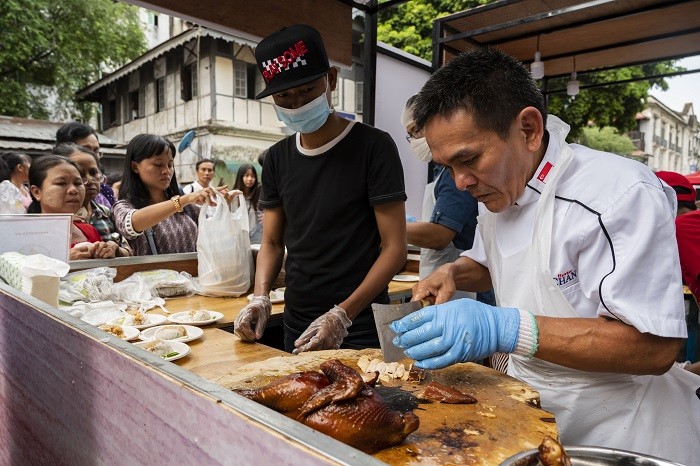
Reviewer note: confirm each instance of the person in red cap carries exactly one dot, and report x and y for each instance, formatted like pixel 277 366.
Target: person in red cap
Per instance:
pixel 333 196
pixel 687 228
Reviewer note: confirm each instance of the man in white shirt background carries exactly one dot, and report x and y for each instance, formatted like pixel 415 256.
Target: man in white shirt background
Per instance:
pixel 205 173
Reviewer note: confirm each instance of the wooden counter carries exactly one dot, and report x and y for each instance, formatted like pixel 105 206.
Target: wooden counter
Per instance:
pixel 218 352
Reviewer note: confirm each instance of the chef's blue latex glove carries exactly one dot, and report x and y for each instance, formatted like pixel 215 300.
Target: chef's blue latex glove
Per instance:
pixel 457 331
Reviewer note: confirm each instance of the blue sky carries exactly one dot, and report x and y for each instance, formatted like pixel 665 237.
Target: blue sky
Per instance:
pixel 682 89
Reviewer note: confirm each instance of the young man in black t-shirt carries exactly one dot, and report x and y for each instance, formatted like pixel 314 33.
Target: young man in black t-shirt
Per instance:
pixel 333 195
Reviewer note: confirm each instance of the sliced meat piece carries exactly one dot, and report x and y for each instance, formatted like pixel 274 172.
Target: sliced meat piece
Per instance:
pixel 439 393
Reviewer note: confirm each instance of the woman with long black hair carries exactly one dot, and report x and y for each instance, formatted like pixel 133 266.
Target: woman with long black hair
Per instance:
pixel 150 212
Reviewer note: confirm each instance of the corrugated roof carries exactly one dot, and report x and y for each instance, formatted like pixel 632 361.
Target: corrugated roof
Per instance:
pixel 29 134
pixel 156 52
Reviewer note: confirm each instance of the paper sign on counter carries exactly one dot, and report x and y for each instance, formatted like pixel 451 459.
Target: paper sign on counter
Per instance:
pixel 47 234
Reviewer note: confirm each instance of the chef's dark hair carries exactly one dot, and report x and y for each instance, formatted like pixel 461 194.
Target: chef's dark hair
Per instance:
pixel 489 84
pixel 38 173
pixel 142 147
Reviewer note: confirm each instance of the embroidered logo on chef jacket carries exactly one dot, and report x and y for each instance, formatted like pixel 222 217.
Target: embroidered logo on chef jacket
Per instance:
pixel 566 279
pixel 544 172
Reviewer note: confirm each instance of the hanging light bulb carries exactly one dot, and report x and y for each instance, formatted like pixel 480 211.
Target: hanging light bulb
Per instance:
pixel 537 66
pixel 572 86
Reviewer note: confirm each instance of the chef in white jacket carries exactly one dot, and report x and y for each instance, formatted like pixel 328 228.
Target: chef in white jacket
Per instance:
pixel 579 246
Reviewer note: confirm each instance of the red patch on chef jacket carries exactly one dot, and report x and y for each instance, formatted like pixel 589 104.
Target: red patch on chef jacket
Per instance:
pixel 545 171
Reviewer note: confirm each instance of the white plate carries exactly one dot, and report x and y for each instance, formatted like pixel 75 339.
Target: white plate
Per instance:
pixel 192 333
pixel 406 278
pixel 130 332
pixel 182 318
pixel 181 348
pixel 151 319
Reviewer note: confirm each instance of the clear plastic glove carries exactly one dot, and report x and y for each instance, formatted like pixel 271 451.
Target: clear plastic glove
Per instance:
pixel 457 331
pixel 326 332
pixel 251 321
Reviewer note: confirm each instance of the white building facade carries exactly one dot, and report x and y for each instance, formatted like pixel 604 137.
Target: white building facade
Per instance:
pixel 669 139
pixel 206 81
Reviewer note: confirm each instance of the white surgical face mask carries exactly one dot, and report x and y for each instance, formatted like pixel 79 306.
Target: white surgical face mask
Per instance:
pixel 307 118
pixel 419 146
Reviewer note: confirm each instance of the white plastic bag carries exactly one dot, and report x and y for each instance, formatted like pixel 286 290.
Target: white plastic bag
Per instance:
pixel 225 260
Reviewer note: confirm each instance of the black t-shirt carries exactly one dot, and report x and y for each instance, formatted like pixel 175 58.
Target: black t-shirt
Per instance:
pixel 331 233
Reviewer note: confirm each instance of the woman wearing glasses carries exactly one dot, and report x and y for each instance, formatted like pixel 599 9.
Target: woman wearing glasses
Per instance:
pixel 92 212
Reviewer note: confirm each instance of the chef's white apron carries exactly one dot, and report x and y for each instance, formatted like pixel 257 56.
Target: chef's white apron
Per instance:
pixel 431 259
pixel 654 415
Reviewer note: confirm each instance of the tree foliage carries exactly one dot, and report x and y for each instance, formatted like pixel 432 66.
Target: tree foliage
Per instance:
pixel 615 105
pixel 607 139
pixel 409 25
pixel 52 48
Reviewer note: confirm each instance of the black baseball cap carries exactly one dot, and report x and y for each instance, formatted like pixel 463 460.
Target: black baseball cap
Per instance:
pixel 290 57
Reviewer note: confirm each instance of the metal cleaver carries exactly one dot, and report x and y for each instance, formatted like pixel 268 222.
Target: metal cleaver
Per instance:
pixel 385 314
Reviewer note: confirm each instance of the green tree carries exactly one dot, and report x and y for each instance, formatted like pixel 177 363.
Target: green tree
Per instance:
pixel 607 139
pixel 408 26
pixel 615 105
pixel 52 48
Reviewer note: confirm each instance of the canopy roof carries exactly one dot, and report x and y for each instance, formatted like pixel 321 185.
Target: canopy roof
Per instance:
pixel 597 34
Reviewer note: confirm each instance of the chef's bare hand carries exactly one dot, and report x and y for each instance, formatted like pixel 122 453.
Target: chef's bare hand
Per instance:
pixel 437 288
pixel 105 250
pixel 251 321
pixel 326 332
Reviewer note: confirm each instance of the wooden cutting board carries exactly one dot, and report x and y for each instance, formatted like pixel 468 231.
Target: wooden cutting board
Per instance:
pixel 505 421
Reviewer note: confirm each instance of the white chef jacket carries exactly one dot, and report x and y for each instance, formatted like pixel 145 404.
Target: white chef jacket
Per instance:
pixel 614 250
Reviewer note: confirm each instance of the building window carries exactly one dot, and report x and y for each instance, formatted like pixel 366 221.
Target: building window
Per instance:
pixel 195 79
pixel 240 76
pixel 160 94
pixel 245 80
pixel 335 95
pixel 188 82
pixel 359 96
pixel 134 102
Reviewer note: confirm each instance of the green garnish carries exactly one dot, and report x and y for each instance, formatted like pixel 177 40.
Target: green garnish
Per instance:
pixel 170 355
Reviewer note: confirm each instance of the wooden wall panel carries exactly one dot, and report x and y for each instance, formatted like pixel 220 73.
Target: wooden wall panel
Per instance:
pixel 260 18
pixel 67 398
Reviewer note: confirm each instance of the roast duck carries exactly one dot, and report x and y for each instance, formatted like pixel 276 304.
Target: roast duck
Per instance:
pixel 338 403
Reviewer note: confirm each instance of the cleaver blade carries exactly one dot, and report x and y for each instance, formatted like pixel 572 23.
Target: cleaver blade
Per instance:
pixel 385 314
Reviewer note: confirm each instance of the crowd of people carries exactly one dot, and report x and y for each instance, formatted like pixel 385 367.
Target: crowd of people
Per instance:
pixel 151 214
pixel 571 260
